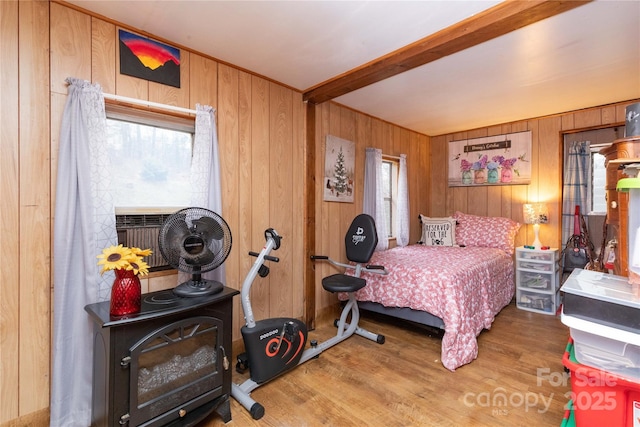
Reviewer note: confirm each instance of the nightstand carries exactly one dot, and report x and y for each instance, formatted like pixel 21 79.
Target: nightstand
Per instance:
pixel 538 280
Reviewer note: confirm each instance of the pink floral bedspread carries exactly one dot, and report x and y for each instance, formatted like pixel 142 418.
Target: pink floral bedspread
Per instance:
pixel 465 287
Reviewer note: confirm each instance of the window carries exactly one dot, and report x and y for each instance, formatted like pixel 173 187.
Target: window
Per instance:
pixel 150 160
pixel 150 156
pixel 390 193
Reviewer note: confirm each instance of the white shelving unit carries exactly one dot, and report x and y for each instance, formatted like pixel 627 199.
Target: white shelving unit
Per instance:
pixel 537 280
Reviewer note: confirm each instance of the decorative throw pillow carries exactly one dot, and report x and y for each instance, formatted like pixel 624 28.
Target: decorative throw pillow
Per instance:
pixel 486 231
pixel 438 231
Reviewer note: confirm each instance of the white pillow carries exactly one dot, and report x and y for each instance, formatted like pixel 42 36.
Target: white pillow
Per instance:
pixel 438 231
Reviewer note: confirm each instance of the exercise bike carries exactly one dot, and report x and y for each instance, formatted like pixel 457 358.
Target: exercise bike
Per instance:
pixel 275 346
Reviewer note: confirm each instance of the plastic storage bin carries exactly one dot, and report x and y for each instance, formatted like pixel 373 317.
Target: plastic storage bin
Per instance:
pixel 537 280
pixel 535 266
pixel 602 298
pixel 541 302
pixel 610 349
pixel 600 398
pixel 541 256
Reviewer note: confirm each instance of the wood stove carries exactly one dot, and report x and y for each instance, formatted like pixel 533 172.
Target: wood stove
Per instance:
pixel 166 365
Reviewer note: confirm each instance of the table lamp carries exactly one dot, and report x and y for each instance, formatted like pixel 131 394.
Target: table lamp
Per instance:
pixel 536 214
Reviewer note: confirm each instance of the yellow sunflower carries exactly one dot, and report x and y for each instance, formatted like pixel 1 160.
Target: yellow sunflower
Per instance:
pixel 141 252
pixel 114 258
pixel 124 258
pixel 138 266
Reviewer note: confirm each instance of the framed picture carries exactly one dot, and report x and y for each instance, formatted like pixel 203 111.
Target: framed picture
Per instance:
pixel 339 163
pixel 493 160
pixel 148 59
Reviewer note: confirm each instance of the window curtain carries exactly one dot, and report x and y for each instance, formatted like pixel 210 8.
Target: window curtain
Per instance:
pixel 575 189
pixel 373 203
pixel 84 224
pixel 402 206
pixel 205 174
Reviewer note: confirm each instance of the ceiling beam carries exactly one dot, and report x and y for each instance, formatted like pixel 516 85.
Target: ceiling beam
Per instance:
pixel 486 25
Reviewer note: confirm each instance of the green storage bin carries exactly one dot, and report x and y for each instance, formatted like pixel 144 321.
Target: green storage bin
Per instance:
pixel 569 419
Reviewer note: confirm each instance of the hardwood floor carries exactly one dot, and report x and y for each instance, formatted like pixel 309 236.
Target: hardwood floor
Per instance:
pixel 517 380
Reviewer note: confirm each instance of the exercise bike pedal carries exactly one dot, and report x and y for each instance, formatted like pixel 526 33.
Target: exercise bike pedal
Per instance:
pixel 290 330
pixel 242 363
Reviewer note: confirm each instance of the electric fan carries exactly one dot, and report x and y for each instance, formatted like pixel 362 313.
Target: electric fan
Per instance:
pixel 195 240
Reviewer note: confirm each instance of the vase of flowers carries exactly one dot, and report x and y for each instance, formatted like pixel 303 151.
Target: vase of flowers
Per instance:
pixel 507 170
pixel 492 172
pixel 467 176
pixel 128 265
pixel 479 173
pixel 506 174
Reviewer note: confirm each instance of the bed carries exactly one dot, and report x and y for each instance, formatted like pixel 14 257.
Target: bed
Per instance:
pixel 457 278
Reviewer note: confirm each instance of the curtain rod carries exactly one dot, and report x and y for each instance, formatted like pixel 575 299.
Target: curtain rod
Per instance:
pixel 148 103
pixel 391 157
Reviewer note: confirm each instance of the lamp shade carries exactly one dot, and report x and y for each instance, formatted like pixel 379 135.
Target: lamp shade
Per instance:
pixel 535 213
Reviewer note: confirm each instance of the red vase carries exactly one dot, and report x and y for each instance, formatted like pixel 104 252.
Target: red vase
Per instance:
pixel 125 293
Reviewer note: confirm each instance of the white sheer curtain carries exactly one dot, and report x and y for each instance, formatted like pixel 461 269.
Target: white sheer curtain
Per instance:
pixel 205 173
pixel 402 205
pixel 84 224
pixel 373 203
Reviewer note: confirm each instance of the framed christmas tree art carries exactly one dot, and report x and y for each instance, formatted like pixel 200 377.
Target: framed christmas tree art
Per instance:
pixel 339 173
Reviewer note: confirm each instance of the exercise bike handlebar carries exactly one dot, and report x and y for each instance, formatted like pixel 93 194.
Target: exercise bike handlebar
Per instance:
pixel 267 257
pixel 369 268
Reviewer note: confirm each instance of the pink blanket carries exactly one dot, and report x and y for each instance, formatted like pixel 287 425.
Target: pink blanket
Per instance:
pixel 465 287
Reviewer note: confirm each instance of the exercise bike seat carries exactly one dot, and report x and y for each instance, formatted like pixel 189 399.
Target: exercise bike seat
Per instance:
pixel 360 244
pixel 343 283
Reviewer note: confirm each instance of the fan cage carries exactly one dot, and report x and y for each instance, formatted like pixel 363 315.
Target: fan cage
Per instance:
pixel 177 256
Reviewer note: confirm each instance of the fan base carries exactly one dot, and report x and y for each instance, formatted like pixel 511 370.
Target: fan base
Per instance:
pixel 200 288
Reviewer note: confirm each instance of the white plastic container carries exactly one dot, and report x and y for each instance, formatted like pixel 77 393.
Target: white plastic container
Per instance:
pixel 605 299
pixel 609 349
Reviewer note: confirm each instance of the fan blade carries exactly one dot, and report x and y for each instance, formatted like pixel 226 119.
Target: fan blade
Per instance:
pixel 201 259
pixel 177 231
pixel 208 228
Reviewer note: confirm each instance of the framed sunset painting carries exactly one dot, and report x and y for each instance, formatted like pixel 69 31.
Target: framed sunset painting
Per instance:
pixel 148 59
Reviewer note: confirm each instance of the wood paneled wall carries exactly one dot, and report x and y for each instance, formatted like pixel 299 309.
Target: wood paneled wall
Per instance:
pixel 546 173
pixel 25 213
pixel 261 138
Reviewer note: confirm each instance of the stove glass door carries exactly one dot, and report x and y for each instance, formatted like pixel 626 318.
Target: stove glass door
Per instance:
pixel 175 368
